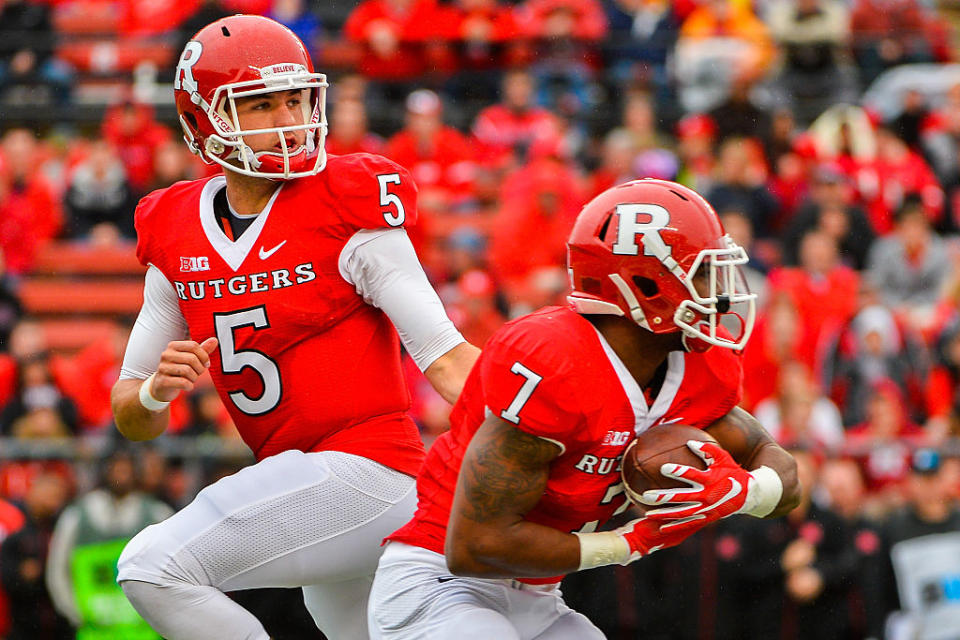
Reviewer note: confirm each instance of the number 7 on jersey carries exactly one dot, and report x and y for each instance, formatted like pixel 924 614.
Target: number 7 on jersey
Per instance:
pixel 511 413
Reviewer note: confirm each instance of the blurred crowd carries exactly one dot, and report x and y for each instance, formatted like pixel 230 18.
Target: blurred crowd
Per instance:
pixel 826 134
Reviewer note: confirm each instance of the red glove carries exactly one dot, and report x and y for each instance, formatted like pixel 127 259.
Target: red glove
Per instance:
pixel 723 489
pixel 644 536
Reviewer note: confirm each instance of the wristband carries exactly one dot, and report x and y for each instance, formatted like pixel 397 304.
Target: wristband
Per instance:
pixel 764 492
pixel 146 398
pixel 601 549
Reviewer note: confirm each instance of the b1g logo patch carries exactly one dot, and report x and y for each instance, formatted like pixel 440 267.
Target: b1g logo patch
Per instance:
pixel 198 263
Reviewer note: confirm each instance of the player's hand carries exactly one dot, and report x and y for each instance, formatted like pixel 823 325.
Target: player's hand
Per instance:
pixel 181 363
pixel 644 536
pixel 717 492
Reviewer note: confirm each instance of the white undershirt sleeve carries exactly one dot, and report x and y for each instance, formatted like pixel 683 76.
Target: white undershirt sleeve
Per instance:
pixel 160 322
pixel 383 266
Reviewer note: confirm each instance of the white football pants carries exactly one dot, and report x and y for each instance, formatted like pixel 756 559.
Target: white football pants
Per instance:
pixel 415 597
pixel 311 520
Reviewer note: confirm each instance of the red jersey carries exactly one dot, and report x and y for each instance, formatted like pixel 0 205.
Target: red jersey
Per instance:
pixel 303 362
pixel 553 375
pixel 447 162
pixel 499 129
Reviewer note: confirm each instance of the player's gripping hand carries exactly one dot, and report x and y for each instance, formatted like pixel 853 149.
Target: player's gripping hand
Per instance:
pixel 181 363
pixel 722 489
pixel 632 541
pixel 645 535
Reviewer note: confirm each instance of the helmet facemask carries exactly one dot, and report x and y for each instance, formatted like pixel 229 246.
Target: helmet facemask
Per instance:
pixel 227 146
pixel 728 298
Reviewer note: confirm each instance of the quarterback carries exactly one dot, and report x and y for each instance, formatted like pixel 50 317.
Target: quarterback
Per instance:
pixel 289 277
pixel 511 498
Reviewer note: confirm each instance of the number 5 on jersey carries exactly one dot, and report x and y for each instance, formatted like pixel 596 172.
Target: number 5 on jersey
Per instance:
pixel 234 361
pixel 512 412
pixel 393 211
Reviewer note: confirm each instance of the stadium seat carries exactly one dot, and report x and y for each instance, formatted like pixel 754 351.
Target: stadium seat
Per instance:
pixel 68 258
pixel 47 296
pixel 73 334
pixel 87 17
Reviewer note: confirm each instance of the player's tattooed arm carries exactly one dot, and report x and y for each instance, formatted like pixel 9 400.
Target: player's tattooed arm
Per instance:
pixel 752 447
pixel 503 476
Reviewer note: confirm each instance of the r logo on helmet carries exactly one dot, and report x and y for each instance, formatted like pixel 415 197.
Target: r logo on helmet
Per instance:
pixel 628 226
pixel 184 76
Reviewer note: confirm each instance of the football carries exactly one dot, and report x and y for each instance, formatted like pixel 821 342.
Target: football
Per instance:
pixel 654 448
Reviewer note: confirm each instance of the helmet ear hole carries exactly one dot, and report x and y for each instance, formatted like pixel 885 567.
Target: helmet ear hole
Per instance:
pixel 191 120
pixel 602 234
pixel 591 285
pixel 646 286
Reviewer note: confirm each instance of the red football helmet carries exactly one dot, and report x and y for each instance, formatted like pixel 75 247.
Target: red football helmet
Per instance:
pixel 634 251
pixel 243 56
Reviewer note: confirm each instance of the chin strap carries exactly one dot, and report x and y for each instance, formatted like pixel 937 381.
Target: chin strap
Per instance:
pixel 693 344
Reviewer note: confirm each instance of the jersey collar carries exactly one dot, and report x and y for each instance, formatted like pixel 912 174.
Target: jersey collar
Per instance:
pixel 644 416
pixel 232 252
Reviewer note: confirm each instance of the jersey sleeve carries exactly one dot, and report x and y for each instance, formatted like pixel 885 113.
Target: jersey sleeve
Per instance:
pixel 144 219
pixel 374 192
pixel 528 381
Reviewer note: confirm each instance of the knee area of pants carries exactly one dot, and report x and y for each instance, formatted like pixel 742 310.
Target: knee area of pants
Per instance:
pixel 146 559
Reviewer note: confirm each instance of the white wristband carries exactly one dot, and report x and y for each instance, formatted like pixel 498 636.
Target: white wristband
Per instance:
pixel 601 549
pixel 146 398
pixel 764 492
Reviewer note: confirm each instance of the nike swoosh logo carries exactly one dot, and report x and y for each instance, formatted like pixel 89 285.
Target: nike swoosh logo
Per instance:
pixel 735 490
pixel 446 579
pixel 669 421
pixel 266 254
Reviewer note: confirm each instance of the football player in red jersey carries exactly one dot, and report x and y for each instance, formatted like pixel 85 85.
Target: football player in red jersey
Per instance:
pixel 510 499
pixel 285 277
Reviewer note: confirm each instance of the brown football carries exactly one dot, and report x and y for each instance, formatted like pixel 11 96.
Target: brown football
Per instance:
pixel 654 448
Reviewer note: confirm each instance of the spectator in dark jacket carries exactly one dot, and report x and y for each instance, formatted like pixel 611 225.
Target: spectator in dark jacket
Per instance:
pixel 828 209
pixel 23 559
pixel 921 543
pixel 797 570
pixel 27 40
pixel 99 197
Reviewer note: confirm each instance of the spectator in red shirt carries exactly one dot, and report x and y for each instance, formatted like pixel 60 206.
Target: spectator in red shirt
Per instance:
pixel 30 211
pixel 88 376
pixel 883 442
pixel 131 128
pixel 696 135
pixel 579 19
pixel 349 132
pixel 776 340
pixel 439 157
pixel 896 172
pixel 887 33
pixel 800 413
pixel 391 35
pixel 485 37
pixel 539 205
pixel 473 306
pixel 507 129
pixel 156 17
pixel 823 290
